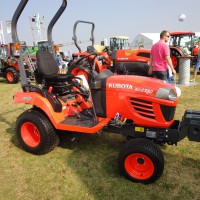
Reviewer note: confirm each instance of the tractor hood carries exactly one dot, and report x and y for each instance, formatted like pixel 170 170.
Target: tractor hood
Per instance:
pixel 142 86
pixel 146 101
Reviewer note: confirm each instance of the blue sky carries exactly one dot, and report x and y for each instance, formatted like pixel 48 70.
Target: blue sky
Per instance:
pixel 111 17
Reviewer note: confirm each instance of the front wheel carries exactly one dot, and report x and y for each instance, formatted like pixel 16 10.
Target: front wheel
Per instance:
pixel 141 161
pixel 12 75
pixel 35 133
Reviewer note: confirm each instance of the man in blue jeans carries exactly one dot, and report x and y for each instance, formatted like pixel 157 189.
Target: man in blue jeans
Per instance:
pixel 197 65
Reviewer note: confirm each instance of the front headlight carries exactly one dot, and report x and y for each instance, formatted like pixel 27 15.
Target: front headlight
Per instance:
pixel 166 93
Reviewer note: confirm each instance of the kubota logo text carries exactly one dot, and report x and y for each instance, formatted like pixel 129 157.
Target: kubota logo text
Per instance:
pixel 120 86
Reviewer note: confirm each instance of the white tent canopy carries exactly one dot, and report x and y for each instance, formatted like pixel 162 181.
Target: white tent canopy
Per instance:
pixel 145 39
pixel 148 39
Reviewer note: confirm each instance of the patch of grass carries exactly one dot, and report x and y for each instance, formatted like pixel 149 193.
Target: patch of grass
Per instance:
pixel 86 168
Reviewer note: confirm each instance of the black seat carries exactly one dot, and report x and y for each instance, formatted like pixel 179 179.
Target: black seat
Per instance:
pixel 91 49
pixel 48 69
pixel 47 73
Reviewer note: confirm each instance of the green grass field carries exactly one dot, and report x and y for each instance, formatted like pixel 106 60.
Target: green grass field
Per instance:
pixel 86 168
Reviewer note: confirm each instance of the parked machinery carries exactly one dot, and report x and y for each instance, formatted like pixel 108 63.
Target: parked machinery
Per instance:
pixel 140 108
pixel 182 44
pixel 9 68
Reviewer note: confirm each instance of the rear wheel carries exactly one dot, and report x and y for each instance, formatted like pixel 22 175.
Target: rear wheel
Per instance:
pixel 175 61
pixel 141 161
pixel 12 75
pixel 35 133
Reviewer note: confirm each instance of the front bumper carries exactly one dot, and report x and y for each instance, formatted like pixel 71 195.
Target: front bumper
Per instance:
pixel 188 127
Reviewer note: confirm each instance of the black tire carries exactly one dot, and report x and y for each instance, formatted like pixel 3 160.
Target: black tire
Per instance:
pixel 35 133
pixel 141 161
pixel 12 75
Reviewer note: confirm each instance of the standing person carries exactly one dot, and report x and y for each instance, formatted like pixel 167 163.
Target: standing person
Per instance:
pixel 197 65
pixel 59 63
pixel 141 47
pixel 160 58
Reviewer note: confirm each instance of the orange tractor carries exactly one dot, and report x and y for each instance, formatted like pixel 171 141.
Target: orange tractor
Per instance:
pixel 96 65
pixel 130 61
pixel 140 108
pixel 116 57
pixel 9 67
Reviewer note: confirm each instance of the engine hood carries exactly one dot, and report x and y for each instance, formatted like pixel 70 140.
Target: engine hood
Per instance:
pixel 141 85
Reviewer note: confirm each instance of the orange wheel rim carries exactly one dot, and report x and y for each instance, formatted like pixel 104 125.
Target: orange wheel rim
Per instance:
pixel 139 166
pixel 174 61
pixel 10 76
pixel 30 134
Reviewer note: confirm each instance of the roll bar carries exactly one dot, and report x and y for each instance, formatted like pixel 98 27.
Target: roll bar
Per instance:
pixel 52 23
pixel 15 38
pixel 74 38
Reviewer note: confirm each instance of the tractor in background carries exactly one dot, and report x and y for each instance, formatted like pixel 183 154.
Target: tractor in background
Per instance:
pixel 119 42
pixel 182 44
pixel 130 61
pixel 9 68
pixel 96 65
pixel 125 60
pixel 117 57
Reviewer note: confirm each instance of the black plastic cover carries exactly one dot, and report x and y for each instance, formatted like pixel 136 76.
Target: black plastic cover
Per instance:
pixel 191 125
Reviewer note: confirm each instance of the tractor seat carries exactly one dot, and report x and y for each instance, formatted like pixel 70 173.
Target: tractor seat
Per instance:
pixel 47 68
pixel 47 73
pixel 91 49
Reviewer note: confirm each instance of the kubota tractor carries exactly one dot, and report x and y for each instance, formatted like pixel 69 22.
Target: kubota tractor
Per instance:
pixel 119 60
pixel 140 108
pixel 96 65
pixel 130 61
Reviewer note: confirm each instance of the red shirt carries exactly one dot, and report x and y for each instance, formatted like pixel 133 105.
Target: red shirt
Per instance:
pixel 159 51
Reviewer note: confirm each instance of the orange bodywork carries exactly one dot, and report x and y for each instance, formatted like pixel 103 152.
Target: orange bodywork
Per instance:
pixel 195 51
pixel 99 66
pixel 180 33
pixel 133 55
pixel 136 100
pixel 56 118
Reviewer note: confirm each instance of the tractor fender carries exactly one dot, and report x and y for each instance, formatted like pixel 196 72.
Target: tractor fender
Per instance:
pixel 36 99
pixel 177 50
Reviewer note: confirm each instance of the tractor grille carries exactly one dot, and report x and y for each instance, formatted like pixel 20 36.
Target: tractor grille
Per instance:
pixel 143 107
pixel 168 112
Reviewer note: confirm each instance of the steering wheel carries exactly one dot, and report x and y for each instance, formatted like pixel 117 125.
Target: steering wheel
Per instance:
pixel 79 61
